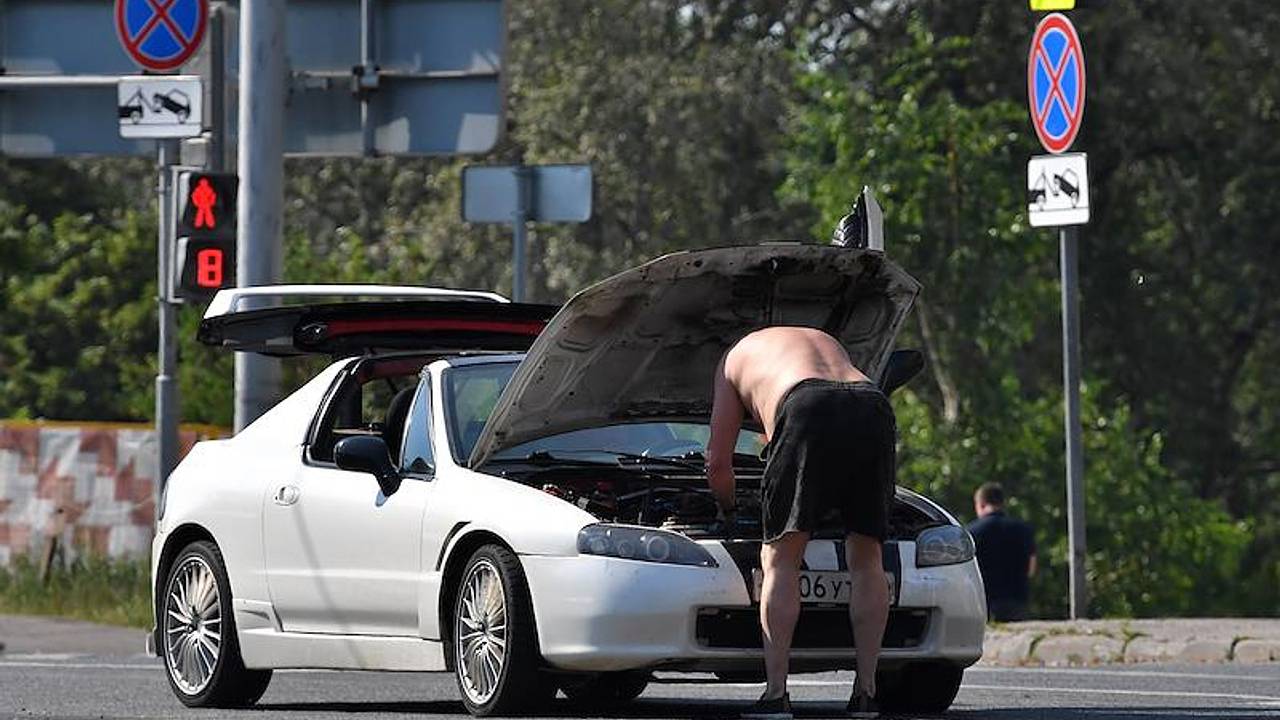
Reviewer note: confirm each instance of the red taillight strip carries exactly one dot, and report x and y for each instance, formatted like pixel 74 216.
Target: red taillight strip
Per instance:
pixel 514 327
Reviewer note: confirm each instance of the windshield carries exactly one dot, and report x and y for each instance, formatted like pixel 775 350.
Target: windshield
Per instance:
pixel 655 439
pixel 471 391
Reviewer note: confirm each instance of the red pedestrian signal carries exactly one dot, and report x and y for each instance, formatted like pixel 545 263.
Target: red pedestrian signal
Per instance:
pixel 204 197
pixel 206 231
pixel 207 204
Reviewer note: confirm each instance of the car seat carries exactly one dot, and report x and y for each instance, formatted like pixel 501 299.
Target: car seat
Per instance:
pixel 393 427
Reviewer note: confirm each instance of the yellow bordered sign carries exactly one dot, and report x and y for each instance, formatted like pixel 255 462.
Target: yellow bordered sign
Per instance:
pixel 1053 4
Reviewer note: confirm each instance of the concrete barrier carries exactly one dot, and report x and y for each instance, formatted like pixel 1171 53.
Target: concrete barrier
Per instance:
pixel 90 486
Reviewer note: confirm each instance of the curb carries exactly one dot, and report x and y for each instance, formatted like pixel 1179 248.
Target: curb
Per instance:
pixel 1101 642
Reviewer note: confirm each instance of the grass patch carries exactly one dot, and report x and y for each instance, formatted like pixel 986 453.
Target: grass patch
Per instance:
pixel 113 591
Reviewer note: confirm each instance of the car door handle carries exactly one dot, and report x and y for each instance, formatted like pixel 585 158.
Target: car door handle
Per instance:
pixel 286 495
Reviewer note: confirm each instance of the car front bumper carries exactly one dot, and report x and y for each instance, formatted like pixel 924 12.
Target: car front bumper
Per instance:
pixel 603 614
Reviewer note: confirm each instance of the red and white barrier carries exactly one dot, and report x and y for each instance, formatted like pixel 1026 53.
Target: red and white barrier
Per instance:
pixel 91 485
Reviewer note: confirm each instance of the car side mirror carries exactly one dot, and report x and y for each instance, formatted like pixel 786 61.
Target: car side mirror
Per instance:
pixel 368 454
pixel 902 366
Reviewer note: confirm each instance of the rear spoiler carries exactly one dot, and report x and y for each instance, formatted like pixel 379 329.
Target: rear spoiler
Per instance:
pixel 247 298
pixel 392 319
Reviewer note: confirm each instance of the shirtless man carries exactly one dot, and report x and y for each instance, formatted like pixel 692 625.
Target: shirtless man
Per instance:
pixel 831 436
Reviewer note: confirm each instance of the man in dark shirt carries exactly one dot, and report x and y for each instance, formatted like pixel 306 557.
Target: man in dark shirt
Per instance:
pixel 1006 555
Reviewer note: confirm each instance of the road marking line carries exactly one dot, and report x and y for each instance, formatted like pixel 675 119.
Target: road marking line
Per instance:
pixel 49 657
pixel 78 666
pixel 1123 673
pixel 1268 699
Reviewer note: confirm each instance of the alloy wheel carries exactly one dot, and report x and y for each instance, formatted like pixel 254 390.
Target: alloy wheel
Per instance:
pixel 192 625
pixel 481 645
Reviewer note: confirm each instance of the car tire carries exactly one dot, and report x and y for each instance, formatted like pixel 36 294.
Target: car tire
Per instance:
pixel 925 688
pixel 197 634
pixel 495 641
pixel 606 690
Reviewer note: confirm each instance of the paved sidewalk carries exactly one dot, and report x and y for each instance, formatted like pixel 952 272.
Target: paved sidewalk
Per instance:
pixel 37 635
pixel 1094 642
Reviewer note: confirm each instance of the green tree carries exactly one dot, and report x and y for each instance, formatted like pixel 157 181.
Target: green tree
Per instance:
pixel 78 308
pixel 946 168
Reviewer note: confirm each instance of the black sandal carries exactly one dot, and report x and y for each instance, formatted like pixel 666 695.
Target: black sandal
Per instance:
pixel 778 708
pixel 862 705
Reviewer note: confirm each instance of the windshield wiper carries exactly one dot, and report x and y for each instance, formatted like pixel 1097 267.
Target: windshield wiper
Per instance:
pixel 641 459
pixel 621 458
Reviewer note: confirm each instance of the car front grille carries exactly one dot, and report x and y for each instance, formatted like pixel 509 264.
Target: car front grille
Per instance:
pixel 818 628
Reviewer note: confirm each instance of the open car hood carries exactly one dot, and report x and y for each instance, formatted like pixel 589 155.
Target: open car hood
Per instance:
pixel 356 328
pixel 643 344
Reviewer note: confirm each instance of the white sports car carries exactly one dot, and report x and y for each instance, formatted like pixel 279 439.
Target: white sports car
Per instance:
pixel 437 501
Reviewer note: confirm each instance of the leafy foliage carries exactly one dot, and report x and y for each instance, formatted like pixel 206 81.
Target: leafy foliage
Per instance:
pixel 941 166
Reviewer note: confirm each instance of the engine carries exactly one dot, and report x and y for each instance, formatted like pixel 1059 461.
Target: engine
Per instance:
pixel 680 501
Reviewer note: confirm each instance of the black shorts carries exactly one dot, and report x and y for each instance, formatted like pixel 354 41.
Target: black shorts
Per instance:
pixel 831 460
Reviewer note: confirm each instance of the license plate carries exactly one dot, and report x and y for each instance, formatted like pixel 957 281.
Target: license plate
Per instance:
pixel 821 587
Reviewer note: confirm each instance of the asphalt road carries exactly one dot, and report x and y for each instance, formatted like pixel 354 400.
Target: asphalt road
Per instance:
pixel 72 686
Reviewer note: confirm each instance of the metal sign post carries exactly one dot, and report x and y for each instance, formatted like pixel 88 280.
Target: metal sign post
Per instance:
pixel 167 402
pixel 520 194
pixel 519 234
pixel 1068 246
pixel 1058 195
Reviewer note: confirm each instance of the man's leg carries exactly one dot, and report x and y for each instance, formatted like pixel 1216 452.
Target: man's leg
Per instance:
pixel 780 605
pixel 868 605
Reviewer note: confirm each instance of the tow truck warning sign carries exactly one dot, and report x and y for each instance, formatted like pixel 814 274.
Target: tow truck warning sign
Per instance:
pixel 1058 190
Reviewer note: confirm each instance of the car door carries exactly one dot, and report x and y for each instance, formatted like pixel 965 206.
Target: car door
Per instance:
pixel 342 557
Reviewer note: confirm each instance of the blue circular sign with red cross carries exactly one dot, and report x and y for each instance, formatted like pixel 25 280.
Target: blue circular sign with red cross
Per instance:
pixel 1055 82
pixel 161 34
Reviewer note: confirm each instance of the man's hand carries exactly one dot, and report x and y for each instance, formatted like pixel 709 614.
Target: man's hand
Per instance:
pixel 728 520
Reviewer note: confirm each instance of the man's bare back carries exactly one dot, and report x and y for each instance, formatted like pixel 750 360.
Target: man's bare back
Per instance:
pixel 753 376
pixel 762 366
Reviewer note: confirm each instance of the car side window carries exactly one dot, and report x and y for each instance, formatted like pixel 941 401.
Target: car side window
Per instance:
pixel 373 400
pixel 418 458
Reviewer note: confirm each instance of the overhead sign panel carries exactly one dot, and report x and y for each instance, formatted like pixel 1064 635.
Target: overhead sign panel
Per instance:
pixel 1056 82
pixel 161 34
pixel 55 40
pixel 1058 190
pixel 164 106
pixel 429 84
pixel 394 77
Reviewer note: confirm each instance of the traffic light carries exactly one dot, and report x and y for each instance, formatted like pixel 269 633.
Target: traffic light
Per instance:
pixel 206 248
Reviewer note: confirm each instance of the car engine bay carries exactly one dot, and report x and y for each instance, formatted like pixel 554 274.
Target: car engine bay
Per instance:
pixel 675 497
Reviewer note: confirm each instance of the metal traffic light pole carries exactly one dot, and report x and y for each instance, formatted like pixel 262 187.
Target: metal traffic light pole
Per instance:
pixel 259 248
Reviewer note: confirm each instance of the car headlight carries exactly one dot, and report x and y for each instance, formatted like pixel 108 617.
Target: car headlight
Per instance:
pixel 943 545
pixel 638 543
